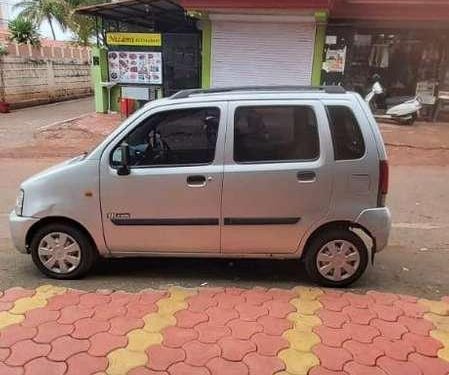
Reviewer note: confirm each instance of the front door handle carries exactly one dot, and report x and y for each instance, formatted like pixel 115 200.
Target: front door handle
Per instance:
pixel 196 181
pixel 306 176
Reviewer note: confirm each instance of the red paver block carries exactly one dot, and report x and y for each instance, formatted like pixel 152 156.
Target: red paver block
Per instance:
pixel 45 366
pixel 151 296
pixel 235 349
pixel 263 365
pixel 411 309
pixel 121 325
pixel 161 358
pixel 175 337
pixel 396 349
pixel 332 358
pixel 393 367
pixel 24 351
pixel 282 295
pixel 274 326
pixel 198 354
pixel 139 309
pixel 15 333
pixel 60 301
pixel 109 311
pixel 429 366
pixel 391 330
pixel 415 325
pixel 219 366
pixel 359 315
pixel 189 319
pixel 333 302
pixel 8 370
pixel 41 315
pixel 319 370
pixel 5 306
pixel 388 313
pixel 360 332
pixel 234 291
pixel 242 329
pixel 186 369
pixel 93 299
pixel 269 345
pixel 278 309
pixel 201 302
pixel 383 298
pixel 210 333
pixel 145 371
pixel 4 353
pixel 13 294
pixel 334 337
pixel 423 344
pixel 121 298
pixel 85 328
pixel 250 312
pixel 221 316
pixel 50 331
pixel 359 300
pixel 66 346
pixel 332 319
pixel 354 368
pixel 364 354
pixel 103 343
pixel 71 314
pixel 228 301
pixel 256 296
pixel 84 363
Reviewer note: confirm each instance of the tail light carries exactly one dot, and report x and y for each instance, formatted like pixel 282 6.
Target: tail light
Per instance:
pixel 383 183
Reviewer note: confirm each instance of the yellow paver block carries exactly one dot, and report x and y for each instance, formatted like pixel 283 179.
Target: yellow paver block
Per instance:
pixel 442 336
pixel 304 323
pixel 123 360
pixel 308 293
pixel 306 306
pixel 40 298
pixel 444 354
pixel 436 307
pixel 298 363
pixel 441 321
pixel 302 341
pixel 139 340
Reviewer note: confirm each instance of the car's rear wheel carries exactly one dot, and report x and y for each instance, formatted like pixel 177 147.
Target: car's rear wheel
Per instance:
pixel 336 258
pixel 62 251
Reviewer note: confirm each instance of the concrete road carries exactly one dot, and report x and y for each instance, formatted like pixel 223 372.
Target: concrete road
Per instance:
pixel 416 262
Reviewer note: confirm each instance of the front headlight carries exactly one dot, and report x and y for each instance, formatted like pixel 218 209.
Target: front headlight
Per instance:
pixel 19 203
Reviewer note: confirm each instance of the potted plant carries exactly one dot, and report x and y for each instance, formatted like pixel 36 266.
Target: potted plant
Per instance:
pixel 4 106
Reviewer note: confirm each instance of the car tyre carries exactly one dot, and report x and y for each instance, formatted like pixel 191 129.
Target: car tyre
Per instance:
pixel 319 258
pixel 76 239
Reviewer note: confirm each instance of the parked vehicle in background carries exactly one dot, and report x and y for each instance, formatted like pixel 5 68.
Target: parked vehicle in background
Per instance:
pixel 402 110
pixel 266 172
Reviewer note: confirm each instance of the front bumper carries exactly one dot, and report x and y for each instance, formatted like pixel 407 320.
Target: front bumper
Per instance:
pixel 377 221
pixel 19 227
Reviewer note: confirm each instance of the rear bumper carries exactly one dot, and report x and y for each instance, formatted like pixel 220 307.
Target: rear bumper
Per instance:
pixel 19 227
pixel 377 221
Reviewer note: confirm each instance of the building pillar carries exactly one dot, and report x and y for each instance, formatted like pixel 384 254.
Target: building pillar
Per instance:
pixel 320 39
pixel 99 73
pixel 206 51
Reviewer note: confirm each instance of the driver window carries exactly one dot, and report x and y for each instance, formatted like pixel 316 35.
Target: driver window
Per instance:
pixel 177 137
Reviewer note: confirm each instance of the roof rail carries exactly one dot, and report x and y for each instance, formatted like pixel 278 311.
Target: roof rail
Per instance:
pixel 327 89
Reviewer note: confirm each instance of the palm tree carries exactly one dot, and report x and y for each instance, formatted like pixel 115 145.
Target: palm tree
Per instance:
pixel 38 11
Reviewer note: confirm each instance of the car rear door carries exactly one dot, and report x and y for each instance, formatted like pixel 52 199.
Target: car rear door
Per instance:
pixel 277 175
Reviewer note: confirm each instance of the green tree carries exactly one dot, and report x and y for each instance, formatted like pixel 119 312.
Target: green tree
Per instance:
pixel 38 11
pixel 3 52
pixel 23 31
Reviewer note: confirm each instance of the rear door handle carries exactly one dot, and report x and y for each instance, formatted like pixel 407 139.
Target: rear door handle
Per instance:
pixel 306 176
pixel 196 181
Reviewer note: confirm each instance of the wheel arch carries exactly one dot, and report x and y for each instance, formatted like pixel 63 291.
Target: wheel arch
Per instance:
pixel 57 220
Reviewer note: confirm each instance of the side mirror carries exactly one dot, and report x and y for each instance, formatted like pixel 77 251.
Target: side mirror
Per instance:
pixel 123 169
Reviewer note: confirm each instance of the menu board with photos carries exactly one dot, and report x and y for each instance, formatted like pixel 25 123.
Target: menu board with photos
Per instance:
pixel 135 67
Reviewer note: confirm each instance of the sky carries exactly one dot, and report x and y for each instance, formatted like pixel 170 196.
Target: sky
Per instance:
pixel 45 31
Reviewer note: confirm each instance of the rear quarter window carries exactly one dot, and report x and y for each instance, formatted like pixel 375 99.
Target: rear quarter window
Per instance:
pixel 347 138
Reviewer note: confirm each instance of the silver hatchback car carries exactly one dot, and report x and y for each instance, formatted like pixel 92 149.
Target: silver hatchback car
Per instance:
pixel 266 172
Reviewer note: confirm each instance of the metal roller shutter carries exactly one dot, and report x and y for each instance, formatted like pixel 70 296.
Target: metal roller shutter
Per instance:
pixel 262 53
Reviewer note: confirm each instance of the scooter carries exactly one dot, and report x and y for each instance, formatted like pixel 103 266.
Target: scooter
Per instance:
pixel 405 112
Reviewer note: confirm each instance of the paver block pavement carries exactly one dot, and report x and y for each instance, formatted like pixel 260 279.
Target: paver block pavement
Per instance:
pixel 301 331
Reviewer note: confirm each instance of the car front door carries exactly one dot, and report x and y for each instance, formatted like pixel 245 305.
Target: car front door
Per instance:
pixel 277 175
pixel 171 199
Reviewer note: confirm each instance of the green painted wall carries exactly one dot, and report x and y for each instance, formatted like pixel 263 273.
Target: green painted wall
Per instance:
pixel 99 74
pixel 206 53
pixel 320 39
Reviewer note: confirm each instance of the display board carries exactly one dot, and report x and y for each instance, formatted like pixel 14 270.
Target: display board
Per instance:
pixel 135 67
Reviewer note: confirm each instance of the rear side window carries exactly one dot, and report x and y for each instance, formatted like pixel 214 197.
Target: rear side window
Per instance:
pixel 346 135
pixel 275 133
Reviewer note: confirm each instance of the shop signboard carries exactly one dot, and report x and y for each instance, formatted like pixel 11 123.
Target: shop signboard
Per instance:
pixel 135 67
pixel 134 39
pixel 335 60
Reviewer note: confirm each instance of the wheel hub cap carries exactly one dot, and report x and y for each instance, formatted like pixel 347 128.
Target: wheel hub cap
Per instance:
pixel 59 252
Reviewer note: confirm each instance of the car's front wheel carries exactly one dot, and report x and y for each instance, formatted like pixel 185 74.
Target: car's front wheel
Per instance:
pixel 336 258
pixel 62 251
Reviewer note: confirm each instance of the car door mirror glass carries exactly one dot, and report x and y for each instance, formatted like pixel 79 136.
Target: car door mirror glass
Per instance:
pixel 123 163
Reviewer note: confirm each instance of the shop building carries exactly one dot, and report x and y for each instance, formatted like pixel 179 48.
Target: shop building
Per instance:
pixel 215 43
